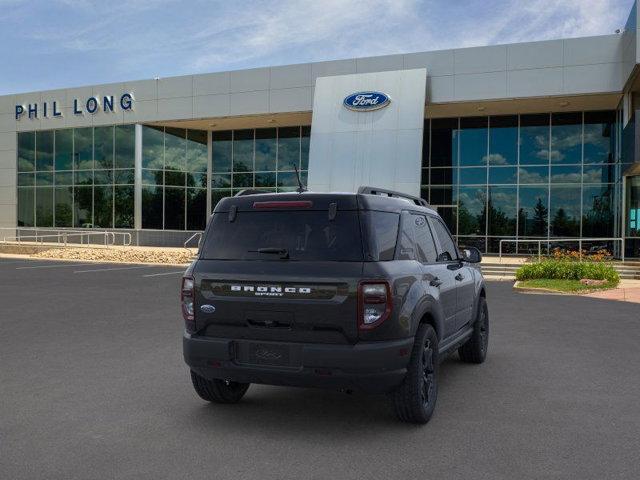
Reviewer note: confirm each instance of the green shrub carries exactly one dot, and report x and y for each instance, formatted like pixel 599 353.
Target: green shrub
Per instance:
pixel 558 269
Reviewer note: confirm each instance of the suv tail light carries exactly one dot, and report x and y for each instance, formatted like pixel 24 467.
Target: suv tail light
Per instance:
pixel 186 299
pixel 374 304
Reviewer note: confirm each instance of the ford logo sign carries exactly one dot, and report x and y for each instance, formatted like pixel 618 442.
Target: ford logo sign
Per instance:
pixel 366 101
pixel 207 308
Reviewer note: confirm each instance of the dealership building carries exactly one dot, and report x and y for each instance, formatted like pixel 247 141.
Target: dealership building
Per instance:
pixel 519 142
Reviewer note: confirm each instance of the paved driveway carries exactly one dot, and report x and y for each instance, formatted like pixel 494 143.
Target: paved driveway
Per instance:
pixel 92 386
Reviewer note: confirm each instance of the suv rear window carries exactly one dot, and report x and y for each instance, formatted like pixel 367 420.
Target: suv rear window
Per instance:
pixel 305 235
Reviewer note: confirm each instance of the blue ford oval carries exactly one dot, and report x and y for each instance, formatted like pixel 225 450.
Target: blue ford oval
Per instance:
pixel 366 101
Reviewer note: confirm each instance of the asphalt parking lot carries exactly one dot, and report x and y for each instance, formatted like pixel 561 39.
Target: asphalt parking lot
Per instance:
pixel 93 386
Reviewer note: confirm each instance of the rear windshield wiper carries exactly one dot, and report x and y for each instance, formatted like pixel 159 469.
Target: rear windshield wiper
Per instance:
pixel 283 252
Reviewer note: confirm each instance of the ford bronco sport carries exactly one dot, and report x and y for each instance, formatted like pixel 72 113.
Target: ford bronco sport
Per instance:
pixel 353 291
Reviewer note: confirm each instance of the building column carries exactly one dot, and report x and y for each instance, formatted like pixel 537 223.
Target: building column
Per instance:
pixel 137 196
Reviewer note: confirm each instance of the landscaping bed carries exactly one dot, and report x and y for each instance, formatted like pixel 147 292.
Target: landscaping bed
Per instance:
pixel 165 256
pixel 561 285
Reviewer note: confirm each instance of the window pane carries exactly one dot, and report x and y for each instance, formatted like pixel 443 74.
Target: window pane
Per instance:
pixel 44 207
pixel 26 151
pixel 473 141
pixel 83 148
pixel 266 149
pixel 64 150
pixel 44 179
pixel 103 207
pixel 197 179
pixel 124 176
pixel 103 147
pixel 152 147
pixel 598 137
pixel 501 209
pixel 197 152
pixel 533 213
pixel 566 174
pixel 176 179
pixel 64 206
pixel 444 176
pixel 447 247
pixel 599 173
pixel 83 177
pixel 442 196
pixel 383 228
pixel 152 207
pixel 152 177
pixel 471 211
pixel 125 152
pixel 174 208
pixel 288 148
pixel 534 175
pixel 26 201
pixel 196 208
pixel 565 211
pixel 242 180
pixel 44 150
pixel 503 140
pixel 424 240
pixel 473 176
pixel 102 177
pixel 566 138
pixel 221 181
pixel 221 151
pixel 26 179
pixel 304 147
pixel 450 217
pixel 124 207
pixel 534 139
pixel 444 149
pixel 82 206
pixel 265 179
pixel 597 211
pixel 175 149
pixel 501 175
pixel 243 150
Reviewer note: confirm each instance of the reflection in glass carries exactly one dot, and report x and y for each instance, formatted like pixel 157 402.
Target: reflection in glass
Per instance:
pixel 605 173
pixel 533 212
pixel 471 211
pixel 444 176
pixel 196 208
pixel 152 177
pixel 26 205
pixel 44 207
pixel 44 150
pixel 26 151
pixel 174 208
pixel 63 206
pixel 597 211
pixel 473 141
pixel 83 148
pixel 304 147
pixel 175 149
pixel 443 196
pixel 265 179
pixel 64 149
pixel 288 148
pixel 565 211
pixel 599 141
pixel 83 206
pixel 125 146
pixel 566 138
pixel 152 147
pixel 502 175
pixel 221 151
pixel 103 147
pixel 152 207
pixel 534 175
pixel 103 207
pixel 501 210
pixel 473 176
pixel 266 149
pixel 26 179
pixel 44 179
pixel 123 202
pixel 197 151
pixel 243 150
pixel 503 140
pixel 534 139
pixel 571 174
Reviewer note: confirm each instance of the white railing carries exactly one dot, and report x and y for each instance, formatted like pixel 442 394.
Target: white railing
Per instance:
pixel 68 237
pixel 551 241
pixel 191 238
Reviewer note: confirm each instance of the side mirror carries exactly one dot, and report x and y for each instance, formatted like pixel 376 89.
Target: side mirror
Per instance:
pixel 471 255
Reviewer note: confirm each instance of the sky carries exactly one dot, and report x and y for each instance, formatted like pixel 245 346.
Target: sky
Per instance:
pixel 48 44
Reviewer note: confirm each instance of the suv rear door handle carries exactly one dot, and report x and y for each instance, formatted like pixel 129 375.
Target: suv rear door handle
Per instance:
pixel 459 277
pixel 435 282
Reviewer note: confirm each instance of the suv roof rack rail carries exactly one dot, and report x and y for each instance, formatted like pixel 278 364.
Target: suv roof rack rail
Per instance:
pixel 392 193
pixel 250 191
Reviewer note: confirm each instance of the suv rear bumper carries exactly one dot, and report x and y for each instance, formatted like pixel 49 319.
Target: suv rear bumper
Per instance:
pixel 373 367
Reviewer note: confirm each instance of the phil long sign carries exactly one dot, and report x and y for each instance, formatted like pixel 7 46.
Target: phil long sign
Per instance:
pixel 91 105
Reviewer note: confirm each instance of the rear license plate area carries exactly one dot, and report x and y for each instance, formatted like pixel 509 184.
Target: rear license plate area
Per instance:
pixel 266 354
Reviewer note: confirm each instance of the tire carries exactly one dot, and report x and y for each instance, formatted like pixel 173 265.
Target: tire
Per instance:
pixel 415 399
pixel 218 391
pixel 475 350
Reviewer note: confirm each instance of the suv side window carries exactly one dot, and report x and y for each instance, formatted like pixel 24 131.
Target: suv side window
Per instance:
pixel 406 241
pixel 447 251
pixel 424 240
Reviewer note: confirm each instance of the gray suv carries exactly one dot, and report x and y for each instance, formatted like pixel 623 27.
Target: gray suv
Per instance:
pixel 358 291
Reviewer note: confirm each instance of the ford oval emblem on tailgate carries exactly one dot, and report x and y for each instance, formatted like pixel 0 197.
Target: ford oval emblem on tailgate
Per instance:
pixel 207 308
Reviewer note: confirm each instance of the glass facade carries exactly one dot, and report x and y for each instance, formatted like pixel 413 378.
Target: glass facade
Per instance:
pixel 264 158
pixel 538 176
pixel 77 177
pixel 174 178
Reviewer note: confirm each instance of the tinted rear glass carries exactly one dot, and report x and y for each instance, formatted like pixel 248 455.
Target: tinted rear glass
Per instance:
pixel 305 235
pixel 382 233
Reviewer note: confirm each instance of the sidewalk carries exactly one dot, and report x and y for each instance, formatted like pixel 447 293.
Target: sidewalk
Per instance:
pixel 627 291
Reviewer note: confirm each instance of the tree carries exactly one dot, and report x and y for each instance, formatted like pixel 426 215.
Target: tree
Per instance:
pixel 540 219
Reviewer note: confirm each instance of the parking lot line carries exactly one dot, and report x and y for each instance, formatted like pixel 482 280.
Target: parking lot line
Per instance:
pixel 53 266
pixel 114 268
pixel 160 274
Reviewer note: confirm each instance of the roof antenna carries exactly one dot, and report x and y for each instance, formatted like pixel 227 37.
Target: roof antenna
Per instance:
pixel 301 188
